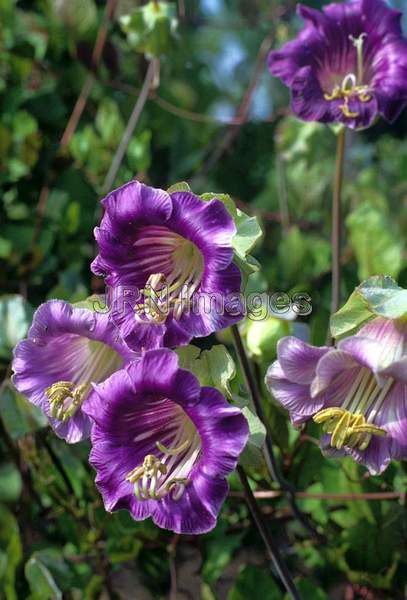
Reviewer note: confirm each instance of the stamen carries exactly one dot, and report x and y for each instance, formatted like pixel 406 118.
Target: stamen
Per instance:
pixel 170 290
pixel 346 111
pixel 347 424
pixel 153 469
pixel 65 399
pixel 352 85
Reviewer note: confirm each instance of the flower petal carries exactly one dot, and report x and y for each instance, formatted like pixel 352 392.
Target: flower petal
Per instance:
pixel 296 398
pixel 298 360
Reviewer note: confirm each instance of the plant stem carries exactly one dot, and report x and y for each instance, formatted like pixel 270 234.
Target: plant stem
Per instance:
pixel 337 223
pixel 131 125
pixel 272 549
pixel 268 447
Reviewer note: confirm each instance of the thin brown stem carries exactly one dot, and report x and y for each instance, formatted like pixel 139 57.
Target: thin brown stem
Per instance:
pixel 90 79
pixel 337 223
pixel 268 450
pixel 267 494
pixel 149 80
pixel 272 548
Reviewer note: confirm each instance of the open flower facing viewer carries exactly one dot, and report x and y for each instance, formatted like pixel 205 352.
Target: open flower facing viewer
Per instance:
pixel 161 254
pixel 162 445
pixel 347 65
pixel 67 350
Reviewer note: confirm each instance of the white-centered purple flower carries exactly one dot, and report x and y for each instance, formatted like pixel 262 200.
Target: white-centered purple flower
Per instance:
pixel 162 446
pixel 67 350
pixel 356 391
pixel 347 65
pixel 168 259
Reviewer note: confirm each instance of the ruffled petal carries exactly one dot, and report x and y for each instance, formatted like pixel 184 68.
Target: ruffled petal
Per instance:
pixel 141 412
pixel 332 365
pixel 308 101
pixel 298 360
pixel 296 398
pixel 134 204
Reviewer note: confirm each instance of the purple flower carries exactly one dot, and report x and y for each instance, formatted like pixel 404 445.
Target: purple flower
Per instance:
pixel 169 259
pixel 162 446
pixel 348 64
pixel 357 391
pixel 67 349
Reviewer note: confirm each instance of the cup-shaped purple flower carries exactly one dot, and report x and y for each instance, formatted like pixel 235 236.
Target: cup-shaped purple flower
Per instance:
pixel 356 391
pixel 169 261
pixel 67 350
pixel 162 446
pixel 347 65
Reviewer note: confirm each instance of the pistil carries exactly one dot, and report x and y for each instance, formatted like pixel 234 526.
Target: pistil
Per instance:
pixel 352 85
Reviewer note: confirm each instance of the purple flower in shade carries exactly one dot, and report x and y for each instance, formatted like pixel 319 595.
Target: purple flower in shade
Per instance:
pixel 348 64
pixel 66 351
pixel 357 391
pixel 168 258
pixel 162 446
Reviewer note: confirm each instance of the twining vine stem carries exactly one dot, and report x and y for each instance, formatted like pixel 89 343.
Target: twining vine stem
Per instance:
pixel 268 447
pixel 337 222
pixel 272 548
pixel 148 84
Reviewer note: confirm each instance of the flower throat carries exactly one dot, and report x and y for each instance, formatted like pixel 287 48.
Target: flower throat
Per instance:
pixel 352 424
pixel 352 85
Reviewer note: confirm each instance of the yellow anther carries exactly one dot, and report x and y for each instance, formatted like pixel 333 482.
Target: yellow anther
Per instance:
pixel 59 394
pixel 336 93
pixel 371 429
pixel 328 413
pixel 340 432
pixel 146 477
pixel 347 429
pixel 347 112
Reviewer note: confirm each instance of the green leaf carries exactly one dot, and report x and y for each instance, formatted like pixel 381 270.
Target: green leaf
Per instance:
pixel 11 553
pixel 109 123
pixel 41 581
pixel 248 234
pixel 19 416
pixel 15 318
pixel 10 483
pixel 252 455
pixel 308 591
pixel 77 15
pixel 151 28
pixel 256 584
pixel 377 296
pixel 262 336
pixel 385 255
pixel 219 552
pixel 214 367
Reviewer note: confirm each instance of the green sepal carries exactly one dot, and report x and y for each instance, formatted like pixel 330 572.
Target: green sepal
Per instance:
pixel 180 186
pixel 252 455
pixel 248 233
pixel 378 296
pixel 95 303
pixel 214 367
pixel 151 28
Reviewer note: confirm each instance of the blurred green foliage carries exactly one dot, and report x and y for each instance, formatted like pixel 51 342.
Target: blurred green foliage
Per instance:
pixel 56 540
